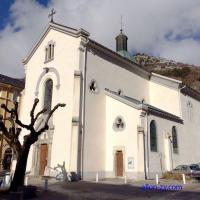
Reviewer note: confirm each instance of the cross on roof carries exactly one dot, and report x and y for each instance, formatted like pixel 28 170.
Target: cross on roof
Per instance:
pixel 53 12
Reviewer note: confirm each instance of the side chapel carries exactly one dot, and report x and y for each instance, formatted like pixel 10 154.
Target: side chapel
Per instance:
pixel 119 119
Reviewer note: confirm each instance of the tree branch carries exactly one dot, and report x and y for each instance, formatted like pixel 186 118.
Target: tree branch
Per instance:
pixel 53 110
pixel 5 108
pixel 32 112
pixel 11 121
pixel 11 138
pixel 17 118
pixel 39 113
pixel 45 127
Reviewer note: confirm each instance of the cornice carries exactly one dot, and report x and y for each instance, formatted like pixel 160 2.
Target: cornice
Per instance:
pixel 166 81
pixel 151 110
pixel 190 92
pixel 117 59
pixel 57 27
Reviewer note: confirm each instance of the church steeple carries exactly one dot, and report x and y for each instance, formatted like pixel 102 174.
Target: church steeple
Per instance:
pixel 121 41
pixel 122 46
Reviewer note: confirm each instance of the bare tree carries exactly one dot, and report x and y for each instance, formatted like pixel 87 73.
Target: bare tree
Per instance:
pixel 12 134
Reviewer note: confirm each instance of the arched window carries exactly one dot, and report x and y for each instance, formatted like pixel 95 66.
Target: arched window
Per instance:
pixel 174 140
pixel 49 56
pixel 48 94
pixel 153 136
pixel 49 51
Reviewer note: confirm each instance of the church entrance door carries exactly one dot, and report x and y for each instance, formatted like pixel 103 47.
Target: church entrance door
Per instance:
pixel 119 163
pixel 43 158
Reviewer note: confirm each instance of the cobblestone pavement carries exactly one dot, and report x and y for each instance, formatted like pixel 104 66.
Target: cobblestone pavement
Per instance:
pixel 117 191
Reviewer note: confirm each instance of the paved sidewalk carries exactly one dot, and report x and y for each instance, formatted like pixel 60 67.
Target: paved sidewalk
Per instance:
pixel 116 191
pixel 104 191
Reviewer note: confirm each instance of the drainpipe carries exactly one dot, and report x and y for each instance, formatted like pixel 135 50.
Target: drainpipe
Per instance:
pixel 145 167
pixel 145 150
pixel 83 77
pixel 146 147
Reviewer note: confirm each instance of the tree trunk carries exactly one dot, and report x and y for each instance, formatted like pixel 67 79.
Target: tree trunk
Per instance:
pixel 19 175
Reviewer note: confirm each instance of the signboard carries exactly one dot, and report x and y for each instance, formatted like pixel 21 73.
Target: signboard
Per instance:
pixel 130 163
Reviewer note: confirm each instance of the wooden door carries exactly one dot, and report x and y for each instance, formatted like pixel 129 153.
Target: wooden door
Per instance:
pixel 119 163
pixel 43 158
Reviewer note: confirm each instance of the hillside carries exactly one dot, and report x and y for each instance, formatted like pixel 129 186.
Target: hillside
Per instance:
pixel 188 74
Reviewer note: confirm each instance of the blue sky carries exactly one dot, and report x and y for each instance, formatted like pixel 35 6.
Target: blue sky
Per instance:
pixel 4 12
pixel 5 7
pixel 164 28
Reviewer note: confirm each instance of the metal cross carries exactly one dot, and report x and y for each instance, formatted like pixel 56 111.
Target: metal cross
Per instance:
pixel 53 12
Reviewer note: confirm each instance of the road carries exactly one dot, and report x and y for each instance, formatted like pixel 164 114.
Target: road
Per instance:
pixel 99 191
pixel 117 191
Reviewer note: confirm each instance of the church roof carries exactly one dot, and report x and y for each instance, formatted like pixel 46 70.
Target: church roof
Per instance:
pixel 127 55
pixel 19 83
pixel 122 59
pixel 190 92
pixel 144 106
pixel 118 59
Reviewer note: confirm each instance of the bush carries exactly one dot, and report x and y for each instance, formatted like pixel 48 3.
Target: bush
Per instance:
pixel 176 72
pixel 170 175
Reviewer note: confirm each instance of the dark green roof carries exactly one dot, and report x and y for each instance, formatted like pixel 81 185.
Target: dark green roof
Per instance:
pixel 127 55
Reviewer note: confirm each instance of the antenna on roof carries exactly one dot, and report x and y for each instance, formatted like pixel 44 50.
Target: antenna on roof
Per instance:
pixel 121 30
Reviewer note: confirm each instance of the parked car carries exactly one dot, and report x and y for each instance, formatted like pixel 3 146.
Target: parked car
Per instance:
pixel 198 164
pixel 192 170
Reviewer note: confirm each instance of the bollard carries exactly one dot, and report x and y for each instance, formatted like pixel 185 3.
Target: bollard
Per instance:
pixel 157 179
pixel 46 184
pixel 184 181
pixel 125 179
pixel 26 181
pixel 7 179
pixel 97 177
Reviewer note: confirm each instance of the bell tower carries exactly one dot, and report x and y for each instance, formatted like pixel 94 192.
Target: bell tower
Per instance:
pixel 121 41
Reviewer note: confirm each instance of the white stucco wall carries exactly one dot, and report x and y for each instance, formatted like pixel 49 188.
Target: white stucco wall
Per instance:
pixel 113 77
pixel 191 131
pixel 66 61
pixel 125 140
pixel 188 140
pixel 162 159
pixel 164 97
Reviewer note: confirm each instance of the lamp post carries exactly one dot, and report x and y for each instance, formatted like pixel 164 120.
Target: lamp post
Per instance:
pixel 1 148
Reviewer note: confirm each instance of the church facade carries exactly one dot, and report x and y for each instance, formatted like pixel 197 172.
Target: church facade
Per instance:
pixel 119 119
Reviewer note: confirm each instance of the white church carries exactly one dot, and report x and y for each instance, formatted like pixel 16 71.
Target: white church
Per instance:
pixel 119 119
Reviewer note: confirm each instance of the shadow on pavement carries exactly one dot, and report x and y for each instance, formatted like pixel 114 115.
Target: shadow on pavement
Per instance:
pixel 97 191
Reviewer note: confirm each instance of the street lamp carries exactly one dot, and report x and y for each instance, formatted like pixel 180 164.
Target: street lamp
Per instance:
pixel 1 148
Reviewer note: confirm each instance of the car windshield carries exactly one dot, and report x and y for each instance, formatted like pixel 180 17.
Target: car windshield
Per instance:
pixel 178 167
pixel 194 167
